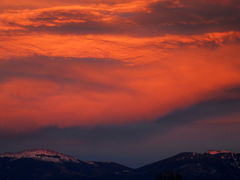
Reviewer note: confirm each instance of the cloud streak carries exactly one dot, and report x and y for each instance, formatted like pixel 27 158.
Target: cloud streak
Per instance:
pixel 155 18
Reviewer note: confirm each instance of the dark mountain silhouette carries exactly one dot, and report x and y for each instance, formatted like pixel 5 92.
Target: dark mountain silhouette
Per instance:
pixel 46 164
pixel 213 165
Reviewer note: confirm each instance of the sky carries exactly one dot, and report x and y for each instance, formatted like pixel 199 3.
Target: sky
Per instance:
pixel 130 81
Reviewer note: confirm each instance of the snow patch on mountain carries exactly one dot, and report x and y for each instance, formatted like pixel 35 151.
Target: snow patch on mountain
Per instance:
pixel 41 154
pixel 213 152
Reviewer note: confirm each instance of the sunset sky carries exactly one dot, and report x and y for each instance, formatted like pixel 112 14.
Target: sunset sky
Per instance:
pixel 131 81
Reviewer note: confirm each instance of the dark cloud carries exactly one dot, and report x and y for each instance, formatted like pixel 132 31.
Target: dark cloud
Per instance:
pixel 203 111
pixel 89 27
pixel 190 17
pixel 73 22
pixel 67 21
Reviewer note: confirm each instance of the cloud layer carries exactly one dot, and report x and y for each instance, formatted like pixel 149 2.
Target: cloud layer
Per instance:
pixel 135 18
pixel 98 63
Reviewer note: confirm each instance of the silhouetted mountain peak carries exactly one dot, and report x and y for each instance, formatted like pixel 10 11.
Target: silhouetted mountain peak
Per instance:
pixel 214 165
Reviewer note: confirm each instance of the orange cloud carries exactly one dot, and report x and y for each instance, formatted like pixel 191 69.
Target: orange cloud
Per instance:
pixel 112 63
pixel 134 18
pixel 77 92
pixel 110 4
pixel 143 50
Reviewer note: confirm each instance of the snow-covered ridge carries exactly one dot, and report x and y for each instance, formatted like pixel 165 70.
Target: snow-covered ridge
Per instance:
pixel 213 152
pixel 41 154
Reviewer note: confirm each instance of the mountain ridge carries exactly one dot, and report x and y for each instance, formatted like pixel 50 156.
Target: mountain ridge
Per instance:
pixel 49 164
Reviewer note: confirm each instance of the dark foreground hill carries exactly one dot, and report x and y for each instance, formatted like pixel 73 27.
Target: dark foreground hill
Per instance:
pixel 46 164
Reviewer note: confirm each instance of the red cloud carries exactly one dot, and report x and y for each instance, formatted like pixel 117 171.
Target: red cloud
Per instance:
pixel 113 63
pixel 136 18
pixel 55 92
